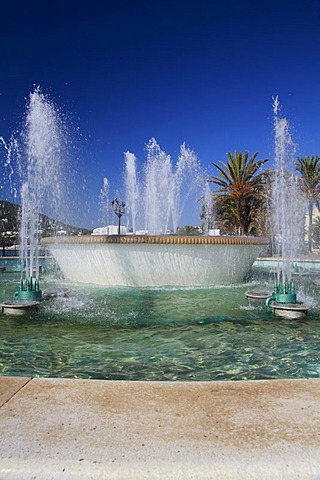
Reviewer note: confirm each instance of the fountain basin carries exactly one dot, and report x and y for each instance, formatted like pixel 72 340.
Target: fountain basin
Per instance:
pixel 18 306
pixel 155 261
pixel 257 295
pixel 289 310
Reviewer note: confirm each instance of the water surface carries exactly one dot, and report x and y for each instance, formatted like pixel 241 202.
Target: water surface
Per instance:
pixel 141 334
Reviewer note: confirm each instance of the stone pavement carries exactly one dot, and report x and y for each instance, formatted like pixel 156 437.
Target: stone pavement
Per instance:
pixel 92 429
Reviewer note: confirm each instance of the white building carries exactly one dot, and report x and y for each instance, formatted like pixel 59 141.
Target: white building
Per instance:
pixel 109 230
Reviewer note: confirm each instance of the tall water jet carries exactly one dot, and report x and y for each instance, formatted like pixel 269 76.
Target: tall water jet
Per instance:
pixel 157 189
pixel 208 223
pixel 38 150
pixel 186 180
pixel 131 188
pixel 288 209
pixel 156 198
pixel 104 203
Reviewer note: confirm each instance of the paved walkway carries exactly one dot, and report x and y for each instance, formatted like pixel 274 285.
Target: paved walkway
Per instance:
pixel 91 429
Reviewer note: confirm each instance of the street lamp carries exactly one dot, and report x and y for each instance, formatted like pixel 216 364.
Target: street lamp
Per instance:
pixel 118 208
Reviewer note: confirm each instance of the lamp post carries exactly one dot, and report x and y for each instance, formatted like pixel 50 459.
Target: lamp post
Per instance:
pixel 118 208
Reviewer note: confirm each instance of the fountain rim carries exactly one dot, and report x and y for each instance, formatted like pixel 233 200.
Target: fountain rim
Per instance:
pixel 155 239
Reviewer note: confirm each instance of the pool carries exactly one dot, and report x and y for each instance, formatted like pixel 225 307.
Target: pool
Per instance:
pixel 159 334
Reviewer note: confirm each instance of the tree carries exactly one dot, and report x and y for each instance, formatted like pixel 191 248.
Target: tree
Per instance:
pixel 309 168
pixel 241 189
pixel 316 231
pixel 188 230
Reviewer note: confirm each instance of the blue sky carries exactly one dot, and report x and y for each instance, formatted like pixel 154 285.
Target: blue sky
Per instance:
pixel 200 72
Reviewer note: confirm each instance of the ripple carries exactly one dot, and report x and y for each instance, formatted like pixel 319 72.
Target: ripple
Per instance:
pixel 177 335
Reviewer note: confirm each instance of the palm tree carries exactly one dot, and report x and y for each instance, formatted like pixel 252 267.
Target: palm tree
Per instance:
pixel 242 188
pixel 309 168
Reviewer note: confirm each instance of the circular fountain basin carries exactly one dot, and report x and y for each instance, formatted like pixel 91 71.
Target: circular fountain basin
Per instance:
pixel 289 310
pixel 255 295
pixel 155 261
pixel 18 307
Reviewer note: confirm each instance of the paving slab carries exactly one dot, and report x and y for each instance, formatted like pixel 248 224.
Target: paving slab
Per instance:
pixel 92 429
pixel 9 386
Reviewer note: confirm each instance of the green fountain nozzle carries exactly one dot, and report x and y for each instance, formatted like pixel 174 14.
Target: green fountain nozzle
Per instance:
pixel 29 290
pixel 284 292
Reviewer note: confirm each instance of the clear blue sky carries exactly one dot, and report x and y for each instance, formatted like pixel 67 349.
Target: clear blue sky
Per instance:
pixel 201 72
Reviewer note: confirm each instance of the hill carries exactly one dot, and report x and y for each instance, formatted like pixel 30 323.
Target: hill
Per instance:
pixel 10 221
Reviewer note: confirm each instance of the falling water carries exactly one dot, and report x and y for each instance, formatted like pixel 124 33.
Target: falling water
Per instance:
pixel 161 194
pixel 288 210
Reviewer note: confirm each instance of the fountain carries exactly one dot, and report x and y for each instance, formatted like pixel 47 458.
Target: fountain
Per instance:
pixel 156 259
pixel 37 150
pixel 160 192
pixel 154 333
pixel 288 217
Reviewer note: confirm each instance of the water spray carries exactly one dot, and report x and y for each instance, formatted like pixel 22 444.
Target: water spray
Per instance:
pixel 38 152
pixel 286 224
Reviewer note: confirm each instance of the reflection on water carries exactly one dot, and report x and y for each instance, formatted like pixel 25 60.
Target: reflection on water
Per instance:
pixel 139 334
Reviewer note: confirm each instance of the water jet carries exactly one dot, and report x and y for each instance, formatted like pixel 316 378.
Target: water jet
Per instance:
pixel 287 218
pixel 37 150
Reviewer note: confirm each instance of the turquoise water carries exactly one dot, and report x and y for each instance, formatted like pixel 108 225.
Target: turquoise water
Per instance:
pixel 141 334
